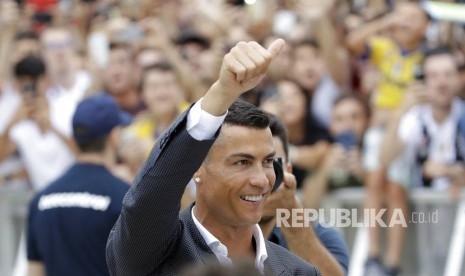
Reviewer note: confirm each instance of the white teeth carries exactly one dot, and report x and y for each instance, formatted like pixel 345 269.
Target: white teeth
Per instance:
pixel 252 198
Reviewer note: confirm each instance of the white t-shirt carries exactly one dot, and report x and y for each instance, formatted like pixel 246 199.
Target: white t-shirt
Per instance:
pixel 442 137
pixel 10 101
pixel 323 99
pixel 45 155
pixel 63 103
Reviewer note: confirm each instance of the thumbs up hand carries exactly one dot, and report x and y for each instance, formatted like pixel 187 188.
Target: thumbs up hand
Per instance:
pixel 242 69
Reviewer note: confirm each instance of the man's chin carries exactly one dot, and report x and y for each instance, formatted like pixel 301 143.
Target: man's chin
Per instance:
pixel 266 219
pixel 255 219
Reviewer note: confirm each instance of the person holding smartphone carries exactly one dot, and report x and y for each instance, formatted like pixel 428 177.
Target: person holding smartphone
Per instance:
pixel 318 245
pixel 43 148
pixel 342 166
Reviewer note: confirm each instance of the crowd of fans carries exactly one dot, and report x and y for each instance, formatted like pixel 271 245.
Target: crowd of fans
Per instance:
pixel 349 87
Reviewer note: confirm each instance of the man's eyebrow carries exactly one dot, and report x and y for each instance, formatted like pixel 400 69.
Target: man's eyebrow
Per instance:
pixel 271 155
pixel 250 156
pixel 242 155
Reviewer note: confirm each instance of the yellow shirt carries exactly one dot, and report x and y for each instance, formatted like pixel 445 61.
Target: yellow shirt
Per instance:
pixel 397 70
pixel 145 128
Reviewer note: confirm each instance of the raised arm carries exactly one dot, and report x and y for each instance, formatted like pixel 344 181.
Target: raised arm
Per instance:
pixel 149 225
pixel 9 17
pixel 357 39
pixel 190 83
pixel 318 17
pixel 392 144
pixel 301 241
pixel 8 147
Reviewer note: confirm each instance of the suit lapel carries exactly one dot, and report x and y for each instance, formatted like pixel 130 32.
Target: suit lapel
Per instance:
pixel 273 264
pixel 205 253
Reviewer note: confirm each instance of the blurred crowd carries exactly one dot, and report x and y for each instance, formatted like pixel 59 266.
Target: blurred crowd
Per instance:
pixel 351 87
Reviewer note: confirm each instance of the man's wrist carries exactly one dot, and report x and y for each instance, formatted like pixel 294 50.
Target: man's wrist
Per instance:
pixel 294 204
pixel 201 124
pixel 215 101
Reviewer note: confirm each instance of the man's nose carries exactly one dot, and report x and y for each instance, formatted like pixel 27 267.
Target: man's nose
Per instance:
pixel 260 177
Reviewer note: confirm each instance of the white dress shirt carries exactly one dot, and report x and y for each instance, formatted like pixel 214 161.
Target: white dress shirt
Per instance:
pixel 221 251
pixel 202 126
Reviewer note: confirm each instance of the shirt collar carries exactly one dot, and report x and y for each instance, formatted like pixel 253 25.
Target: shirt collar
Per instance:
pixel 454 116
pixel 262 254
pixel 221 251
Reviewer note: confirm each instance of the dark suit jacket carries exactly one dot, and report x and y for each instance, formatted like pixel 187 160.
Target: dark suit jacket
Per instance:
pixel 151 237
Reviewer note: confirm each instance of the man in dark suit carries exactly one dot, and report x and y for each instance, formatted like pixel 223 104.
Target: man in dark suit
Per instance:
pixel 233 171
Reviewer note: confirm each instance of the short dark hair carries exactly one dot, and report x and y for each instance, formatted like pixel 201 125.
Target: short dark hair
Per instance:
pixel 304 43
pixel 26 35
pixel 349 96
pixel 93 146
pixel 121 46
pixel 307 42
pixel 241 113
pixel 31 66
pixel 159 66
pixel 162 66
pixel 191 36
pixel 279 130
pixel 438 51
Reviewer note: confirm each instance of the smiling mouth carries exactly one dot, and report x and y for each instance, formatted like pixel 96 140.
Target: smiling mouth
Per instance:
pixel 253 198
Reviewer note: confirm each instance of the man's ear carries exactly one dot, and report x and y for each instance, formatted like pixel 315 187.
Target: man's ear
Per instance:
pixel 113 137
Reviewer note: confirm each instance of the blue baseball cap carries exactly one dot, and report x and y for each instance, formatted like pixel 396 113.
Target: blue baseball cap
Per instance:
pixel 96 116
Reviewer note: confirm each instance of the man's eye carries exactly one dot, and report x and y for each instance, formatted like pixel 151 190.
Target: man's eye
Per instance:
pixel 242 163
pixel 268 162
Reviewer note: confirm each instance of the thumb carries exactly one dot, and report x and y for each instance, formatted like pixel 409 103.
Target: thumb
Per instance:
pixel 276 47
pixel 289 181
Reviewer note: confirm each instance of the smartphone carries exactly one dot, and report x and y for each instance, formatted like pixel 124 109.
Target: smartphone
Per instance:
pixel 43 17
pixel 30 89
pixel 278 170
pixel 347 139
pixel 419 74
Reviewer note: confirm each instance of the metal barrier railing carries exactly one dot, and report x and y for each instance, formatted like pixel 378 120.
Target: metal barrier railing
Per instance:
pixel 13 213
pixel 13 206
pixel 356 196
